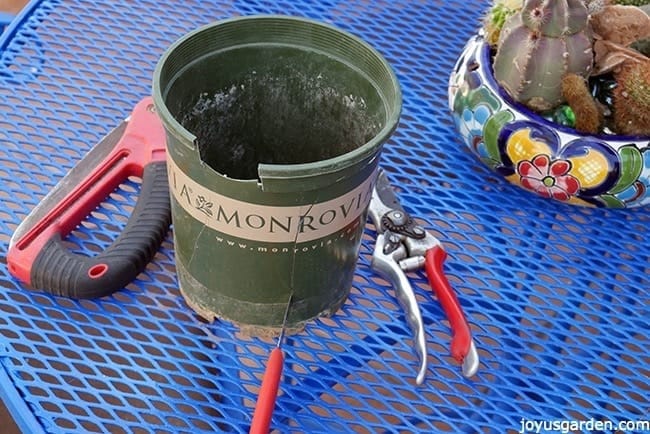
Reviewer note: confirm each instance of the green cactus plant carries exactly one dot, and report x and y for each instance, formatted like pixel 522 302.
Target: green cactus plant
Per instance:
pixel 496 17
pixel 631 2
pixel 539 45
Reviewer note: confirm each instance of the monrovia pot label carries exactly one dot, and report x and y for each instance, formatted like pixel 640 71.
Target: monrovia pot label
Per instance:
pixel 263 223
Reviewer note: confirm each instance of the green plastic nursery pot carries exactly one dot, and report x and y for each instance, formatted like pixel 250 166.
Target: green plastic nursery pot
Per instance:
pixel 274 130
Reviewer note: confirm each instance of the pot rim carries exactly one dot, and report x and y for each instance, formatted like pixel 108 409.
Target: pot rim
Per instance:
pixel 299 170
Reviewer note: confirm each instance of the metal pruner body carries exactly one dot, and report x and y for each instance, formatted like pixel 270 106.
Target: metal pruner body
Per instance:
pixel 403 246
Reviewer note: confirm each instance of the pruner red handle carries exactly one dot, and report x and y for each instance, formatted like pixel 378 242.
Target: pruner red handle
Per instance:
pixel 461 343
pixel 38 255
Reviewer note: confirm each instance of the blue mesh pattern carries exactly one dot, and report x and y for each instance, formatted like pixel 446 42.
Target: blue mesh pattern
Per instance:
pixel 557 295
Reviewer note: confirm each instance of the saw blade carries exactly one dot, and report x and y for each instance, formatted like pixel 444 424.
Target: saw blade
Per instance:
pixel 70 181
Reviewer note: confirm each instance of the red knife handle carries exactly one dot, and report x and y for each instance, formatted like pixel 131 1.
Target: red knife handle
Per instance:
pixel 40 258
pixel 461 334
pixel 268 393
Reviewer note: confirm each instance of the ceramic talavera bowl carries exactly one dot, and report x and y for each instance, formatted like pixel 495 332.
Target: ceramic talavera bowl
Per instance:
pixel 541 156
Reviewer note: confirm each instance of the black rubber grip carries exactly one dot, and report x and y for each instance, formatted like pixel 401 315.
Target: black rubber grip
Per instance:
pixel 61 272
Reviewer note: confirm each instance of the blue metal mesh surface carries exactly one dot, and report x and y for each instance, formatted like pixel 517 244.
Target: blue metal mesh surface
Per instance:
pixel 557 295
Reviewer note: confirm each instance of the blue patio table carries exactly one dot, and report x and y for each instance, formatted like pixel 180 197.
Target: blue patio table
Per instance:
pixel 557 295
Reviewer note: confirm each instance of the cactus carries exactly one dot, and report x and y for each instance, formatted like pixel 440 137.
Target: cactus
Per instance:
pixel 632 99
pixel 631 2
pixel 595 6
pixel 538 46
pixel 577 94
pixel 496 18
pixel 642 46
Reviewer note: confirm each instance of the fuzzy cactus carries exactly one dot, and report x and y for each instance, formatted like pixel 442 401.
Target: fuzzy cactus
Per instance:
pixel 595 6
pixel 538 45
pixel 632 99
pixel 631 2
pixel 576 92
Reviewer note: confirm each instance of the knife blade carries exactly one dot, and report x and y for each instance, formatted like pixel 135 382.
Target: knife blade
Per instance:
pixel 37 255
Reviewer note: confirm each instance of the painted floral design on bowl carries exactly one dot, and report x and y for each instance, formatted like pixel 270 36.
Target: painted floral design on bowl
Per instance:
pixel 548 159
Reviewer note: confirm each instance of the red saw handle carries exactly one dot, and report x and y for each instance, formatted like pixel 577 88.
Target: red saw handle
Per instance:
pixel 40 259
pixel 461 334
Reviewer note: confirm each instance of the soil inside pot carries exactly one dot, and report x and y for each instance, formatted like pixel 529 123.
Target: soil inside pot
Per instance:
pixel 277 105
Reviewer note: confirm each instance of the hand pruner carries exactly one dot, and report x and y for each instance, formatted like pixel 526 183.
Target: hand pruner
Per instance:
pixel 403 246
